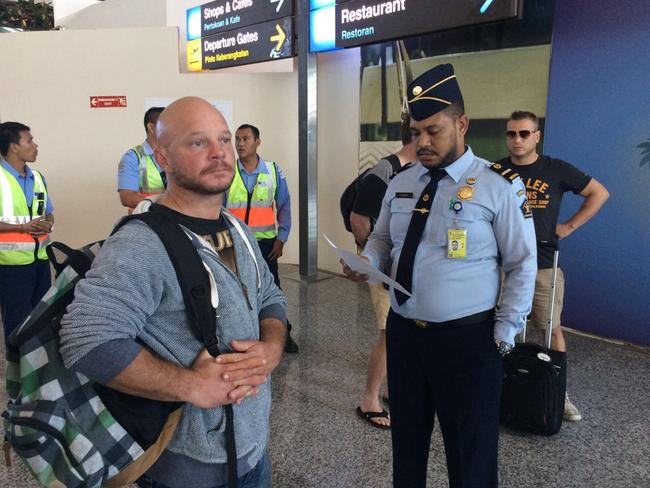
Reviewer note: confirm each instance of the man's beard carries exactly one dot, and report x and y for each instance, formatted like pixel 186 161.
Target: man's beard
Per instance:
pixel 445 160
pixel 196 187
pixel 448 158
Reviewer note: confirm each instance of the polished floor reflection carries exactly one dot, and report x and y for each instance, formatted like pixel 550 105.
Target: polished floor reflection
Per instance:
pixel 318 441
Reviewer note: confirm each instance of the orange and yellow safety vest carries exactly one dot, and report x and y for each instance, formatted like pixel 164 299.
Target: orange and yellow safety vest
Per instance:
pixel 256 209
pixel 17 247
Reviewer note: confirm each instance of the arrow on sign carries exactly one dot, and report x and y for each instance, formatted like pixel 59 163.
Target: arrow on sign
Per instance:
pixel 279 37
pixel 93 101
pixel 279 2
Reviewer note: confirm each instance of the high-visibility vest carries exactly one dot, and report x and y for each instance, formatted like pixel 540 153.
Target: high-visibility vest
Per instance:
pixel 256 209
pixel 18 247
pixel 151 181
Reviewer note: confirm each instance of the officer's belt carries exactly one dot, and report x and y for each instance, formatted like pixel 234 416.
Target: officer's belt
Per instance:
pixel 469 320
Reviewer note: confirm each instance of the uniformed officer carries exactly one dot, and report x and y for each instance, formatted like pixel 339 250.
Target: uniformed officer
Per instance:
pixel 443 224
pixel 139 175
pixel 259 195
pixel 26 220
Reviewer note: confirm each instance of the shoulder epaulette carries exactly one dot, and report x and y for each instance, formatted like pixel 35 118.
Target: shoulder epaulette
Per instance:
pixel 507 173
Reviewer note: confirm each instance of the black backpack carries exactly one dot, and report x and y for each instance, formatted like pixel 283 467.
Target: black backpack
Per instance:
pixel 349 195
pixel 42 425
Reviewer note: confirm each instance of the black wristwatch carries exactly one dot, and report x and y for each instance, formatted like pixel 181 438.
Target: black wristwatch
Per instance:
pixel 503 347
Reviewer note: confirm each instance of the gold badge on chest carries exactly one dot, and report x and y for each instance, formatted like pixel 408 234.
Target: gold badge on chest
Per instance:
pixel 465 193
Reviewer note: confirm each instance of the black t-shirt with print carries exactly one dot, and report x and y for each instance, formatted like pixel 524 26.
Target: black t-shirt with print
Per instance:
pixel 216 232
pixel 546 180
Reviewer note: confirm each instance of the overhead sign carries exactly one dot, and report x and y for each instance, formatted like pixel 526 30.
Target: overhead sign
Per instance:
pixel 107 101
pixel 253 44
pixel 224 15
pixel 359 22
pixel 226 33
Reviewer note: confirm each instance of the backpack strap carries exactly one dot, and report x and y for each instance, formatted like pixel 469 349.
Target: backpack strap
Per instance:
pixel 74 258
pixel 395 163
pixel 194 282
pixel 192 277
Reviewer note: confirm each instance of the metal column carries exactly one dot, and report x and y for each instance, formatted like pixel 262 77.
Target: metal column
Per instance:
pixel 307 147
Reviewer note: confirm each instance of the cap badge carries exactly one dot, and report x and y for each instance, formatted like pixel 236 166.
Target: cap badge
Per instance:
pixel 417 90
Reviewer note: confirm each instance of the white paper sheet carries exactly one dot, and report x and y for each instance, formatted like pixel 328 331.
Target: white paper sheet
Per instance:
pixel 355 263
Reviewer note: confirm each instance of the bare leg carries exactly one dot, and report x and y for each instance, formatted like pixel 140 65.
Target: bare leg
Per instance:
pixel 376 375
pixel 557 340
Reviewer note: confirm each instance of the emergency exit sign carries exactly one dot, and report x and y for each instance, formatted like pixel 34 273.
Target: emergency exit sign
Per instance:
pixel 106 101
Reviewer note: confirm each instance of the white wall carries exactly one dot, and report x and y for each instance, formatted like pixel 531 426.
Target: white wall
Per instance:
pixel 88 14
pixel 53 74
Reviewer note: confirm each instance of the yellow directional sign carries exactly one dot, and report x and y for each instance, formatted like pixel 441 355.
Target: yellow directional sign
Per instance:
pixel 194 55
pixel 279 37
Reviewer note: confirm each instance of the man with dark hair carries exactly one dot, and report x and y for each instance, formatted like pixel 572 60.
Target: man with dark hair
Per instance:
pixel 254 130
pixel 547 180
pixel 26 220
pixel 139 175
pixel 259 196
pixel 128 328
pixel 444 224
pixel 362 219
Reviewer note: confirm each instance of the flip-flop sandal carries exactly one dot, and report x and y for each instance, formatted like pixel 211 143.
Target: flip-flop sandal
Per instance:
pixel 368 416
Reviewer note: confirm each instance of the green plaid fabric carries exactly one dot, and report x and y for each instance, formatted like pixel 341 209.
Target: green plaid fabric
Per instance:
pixel 55 421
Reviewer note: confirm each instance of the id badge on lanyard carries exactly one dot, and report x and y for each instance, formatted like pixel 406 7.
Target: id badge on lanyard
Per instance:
pixel 456 235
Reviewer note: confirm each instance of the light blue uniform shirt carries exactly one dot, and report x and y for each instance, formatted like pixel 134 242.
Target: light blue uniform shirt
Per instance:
pixel 444 288
pixel 282 198
pixel 128 172
pixel 27 184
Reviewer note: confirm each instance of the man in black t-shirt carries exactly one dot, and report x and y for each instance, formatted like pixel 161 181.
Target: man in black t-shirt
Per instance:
pixel 128 327
pixel 365 212
pixel 546 180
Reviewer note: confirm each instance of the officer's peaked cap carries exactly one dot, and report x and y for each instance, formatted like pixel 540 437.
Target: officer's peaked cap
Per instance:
pixel 433 91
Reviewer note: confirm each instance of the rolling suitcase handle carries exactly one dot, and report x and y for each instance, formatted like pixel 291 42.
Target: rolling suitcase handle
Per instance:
pixel 551 306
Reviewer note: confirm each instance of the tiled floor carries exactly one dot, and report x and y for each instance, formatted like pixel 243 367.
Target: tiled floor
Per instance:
pixel 317 440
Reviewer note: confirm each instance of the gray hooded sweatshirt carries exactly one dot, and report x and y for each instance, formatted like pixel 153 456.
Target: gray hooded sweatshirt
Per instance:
pixel 131 292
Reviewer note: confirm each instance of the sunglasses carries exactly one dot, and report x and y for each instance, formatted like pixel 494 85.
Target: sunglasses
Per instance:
pixel 524 134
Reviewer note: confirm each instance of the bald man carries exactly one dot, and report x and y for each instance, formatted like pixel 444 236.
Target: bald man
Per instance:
pixel 132 292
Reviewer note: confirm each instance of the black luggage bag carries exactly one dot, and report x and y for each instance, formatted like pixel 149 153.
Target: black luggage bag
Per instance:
pixel 534 382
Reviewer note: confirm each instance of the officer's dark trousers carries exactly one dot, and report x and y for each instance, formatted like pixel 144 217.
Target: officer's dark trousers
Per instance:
pixel 454 372
pixel 21 288
pixel 266 246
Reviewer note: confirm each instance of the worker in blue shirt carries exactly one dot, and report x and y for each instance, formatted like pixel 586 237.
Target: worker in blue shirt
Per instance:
pixel 139 175
pixel 445 227
pixel 26 220
pixel 259 196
